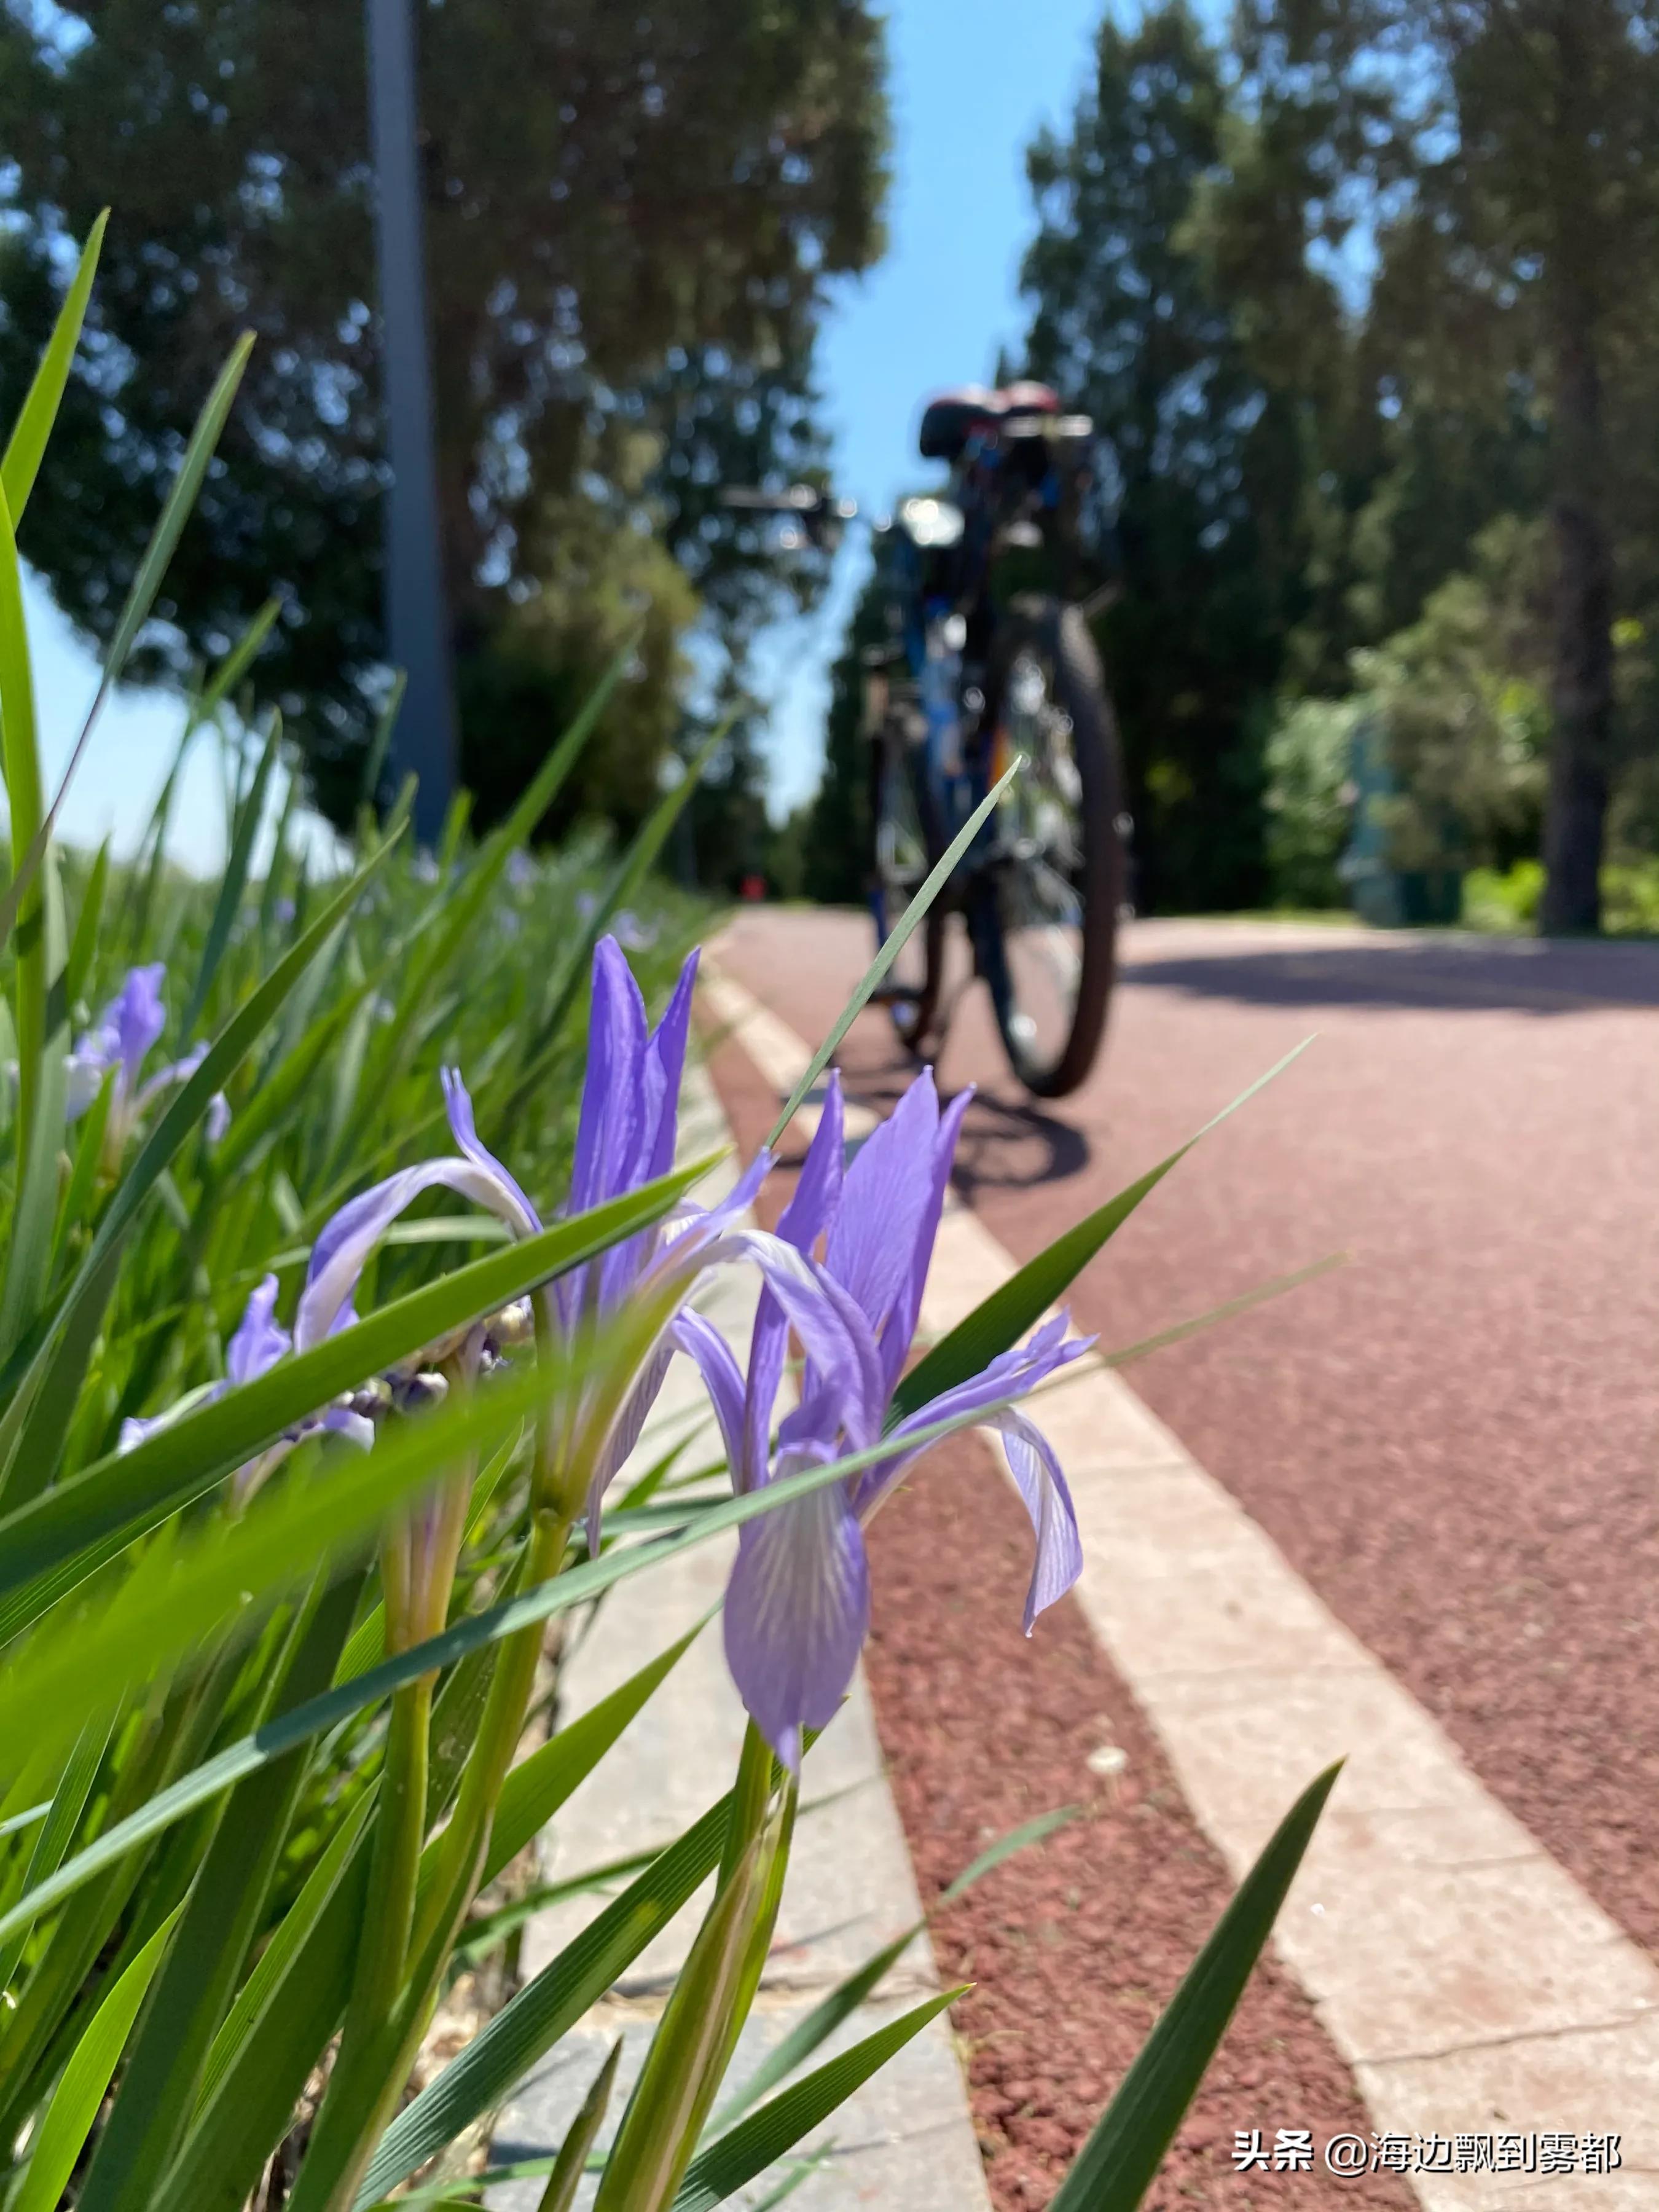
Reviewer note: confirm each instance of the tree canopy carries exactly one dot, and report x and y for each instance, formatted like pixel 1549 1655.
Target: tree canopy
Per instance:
pixel 630 221
pixel 1363 297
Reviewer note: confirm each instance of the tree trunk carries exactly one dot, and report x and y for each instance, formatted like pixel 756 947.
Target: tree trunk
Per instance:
pixel 1582 681
pixel 1582 684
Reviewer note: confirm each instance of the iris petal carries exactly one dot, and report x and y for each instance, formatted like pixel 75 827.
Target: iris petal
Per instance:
pixel 797 1612
pixel 870 1250
pixel 1036 1472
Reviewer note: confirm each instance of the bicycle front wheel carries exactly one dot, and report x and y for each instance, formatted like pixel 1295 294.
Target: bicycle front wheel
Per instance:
pixel 907 844
pixel 1061 861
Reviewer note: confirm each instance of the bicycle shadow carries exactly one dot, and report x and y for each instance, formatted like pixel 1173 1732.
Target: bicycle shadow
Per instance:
pixel 1531 977
pixel 1005 1144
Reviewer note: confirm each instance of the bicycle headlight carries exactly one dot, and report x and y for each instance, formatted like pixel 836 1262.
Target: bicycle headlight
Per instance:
pixel 928 522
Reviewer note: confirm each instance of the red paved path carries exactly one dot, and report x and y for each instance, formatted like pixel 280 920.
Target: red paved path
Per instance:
pixel 1453 1438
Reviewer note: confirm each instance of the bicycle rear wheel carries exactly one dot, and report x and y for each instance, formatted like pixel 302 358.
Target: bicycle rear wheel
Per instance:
pixel 906 845
pixel 1061 862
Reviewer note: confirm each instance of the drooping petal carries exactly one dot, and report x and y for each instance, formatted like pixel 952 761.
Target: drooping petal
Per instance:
pixel 457 1104
pixel 1059 1559
pixel 341 1252
pixel 259 1342
pixel 138 1426
pixel 624 1433
pixel 87 1067
pixel 797 1611
pixel 907 1305
pixel 1011 1374
pixel 722 1378
pixel 218 1117
pixel 872 1246
pixel 170 1077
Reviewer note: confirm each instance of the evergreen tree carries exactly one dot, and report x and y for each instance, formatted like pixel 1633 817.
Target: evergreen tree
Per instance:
pixel 1508 151
pixel 1130 325
pixel 631 223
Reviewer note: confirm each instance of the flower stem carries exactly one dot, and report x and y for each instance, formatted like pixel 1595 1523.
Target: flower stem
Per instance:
pixel 465 1840
pixel 400 1831
pixel 752 1793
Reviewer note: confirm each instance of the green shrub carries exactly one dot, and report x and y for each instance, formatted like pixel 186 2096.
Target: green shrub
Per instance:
pixel 1308 800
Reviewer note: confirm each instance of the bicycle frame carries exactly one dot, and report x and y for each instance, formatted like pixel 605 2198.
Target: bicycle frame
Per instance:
pixel 1016 488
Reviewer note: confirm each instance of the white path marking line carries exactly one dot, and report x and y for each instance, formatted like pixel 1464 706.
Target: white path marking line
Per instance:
pixel 1470 1983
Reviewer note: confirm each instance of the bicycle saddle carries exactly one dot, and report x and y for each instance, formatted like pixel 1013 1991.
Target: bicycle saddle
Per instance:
pixel 949 419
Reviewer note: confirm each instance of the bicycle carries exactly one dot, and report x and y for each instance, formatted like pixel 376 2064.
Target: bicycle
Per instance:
pixel 971 672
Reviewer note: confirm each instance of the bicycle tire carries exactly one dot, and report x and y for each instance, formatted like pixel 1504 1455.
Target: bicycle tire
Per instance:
pixel 902 813
pixel 1058 637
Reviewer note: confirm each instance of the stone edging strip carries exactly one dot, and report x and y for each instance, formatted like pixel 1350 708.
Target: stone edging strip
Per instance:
pixel 1470 1984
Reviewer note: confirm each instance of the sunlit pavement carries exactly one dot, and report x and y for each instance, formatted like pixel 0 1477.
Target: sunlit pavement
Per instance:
pixel 1450 1440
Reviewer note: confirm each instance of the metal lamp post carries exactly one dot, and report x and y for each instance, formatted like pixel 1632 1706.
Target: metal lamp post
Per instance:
pixel 424 742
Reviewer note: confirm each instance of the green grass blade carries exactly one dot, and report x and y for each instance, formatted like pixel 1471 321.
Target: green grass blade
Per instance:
pixel 50 1846
pixel 169 528
pixel 92 2066
pixel 35 1213
pixel 250 2107
pixel 575 1586
pixel 248 2016
pixel 1020 1302
pixel 461 911
pixel 825 2017
pixel 547 2006
pixel 897 938
pixel 235 665
pixel 221 1917
pixel 234 883
pixel 29 434
pixel 85 940
pixel 51 1381
pixel 1007 1847
pixel 487 1932
pixel 130 1492
pixel 25 797
pixel 626 878
pixel 699 2027
pixel 565 2179
pixel 134 614
pixel 764 2138
pixel 374 758
pixel 83 1662
pixel 538 1785
pixel 1115 2168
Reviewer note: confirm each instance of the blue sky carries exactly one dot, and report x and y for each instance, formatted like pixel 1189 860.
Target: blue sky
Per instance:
pixel 971 80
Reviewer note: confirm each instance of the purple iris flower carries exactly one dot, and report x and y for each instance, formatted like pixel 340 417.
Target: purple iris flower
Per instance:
pixel 118 1045
pixel 625 1138
pixel 798 1606
pixel 258 1343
